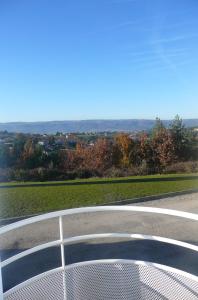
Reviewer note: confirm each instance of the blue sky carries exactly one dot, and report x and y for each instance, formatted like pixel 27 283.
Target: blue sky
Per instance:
pixel 98 59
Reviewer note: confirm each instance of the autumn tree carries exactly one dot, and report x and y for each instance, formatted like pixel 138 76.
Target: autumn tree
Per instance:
pixel 32 154
pixel 135 154
pixel 101 155
pixel 146 151
pixel 70 161
pixel 124 145
pixel 163 148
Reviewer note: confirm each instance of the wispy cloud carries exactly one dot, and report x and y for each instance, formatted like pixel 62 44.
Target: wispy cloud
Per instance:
pixel 159 57
pixel 156 65
pixel 167 40
pixel 116 27
pixel 123 24
pixel 171 60
pixel 151 52
pixel 123 1
pixel 174 39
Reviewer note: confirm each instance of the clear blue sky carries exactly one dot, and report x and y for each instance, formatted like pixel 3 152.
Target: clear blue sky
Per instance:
pixel 87 59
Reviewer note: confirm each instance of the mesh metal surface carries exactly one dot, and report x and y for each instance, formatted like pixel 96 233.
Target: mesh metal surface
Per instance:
pixel 105 280
pixel 48 287
pixel 127 281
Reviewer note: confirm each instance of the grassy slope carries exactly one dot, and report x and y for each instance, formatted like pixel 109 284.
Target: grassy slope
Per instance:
pixel 18 201
pixel 94 179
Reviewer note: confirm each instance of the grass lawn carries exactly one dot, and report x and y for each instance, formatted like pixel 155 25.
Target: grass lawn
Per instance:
pixel 32 198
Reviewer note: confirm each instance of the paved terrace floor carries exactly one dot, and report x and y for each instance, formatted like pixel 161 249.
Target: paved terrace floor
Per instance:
pixel 171 227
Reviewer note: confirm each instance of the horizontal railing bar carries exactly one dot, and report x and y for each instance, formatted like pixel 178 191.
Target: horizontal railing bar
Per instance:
pixel 28 281
pixel 131 236
pixel 1 283
pixel 28 252
pixel 80 210
pixel 100 262
pixel 98 236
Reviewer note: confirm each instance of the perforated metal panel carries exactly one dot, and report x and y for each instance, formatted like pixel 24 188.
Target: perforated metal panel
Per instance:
pixel 48 287
pixel 111 280
pixel 127 281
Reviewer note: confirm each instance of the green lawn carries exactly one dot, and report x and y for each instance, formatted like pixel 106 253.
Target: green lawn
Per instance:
pixel 25 200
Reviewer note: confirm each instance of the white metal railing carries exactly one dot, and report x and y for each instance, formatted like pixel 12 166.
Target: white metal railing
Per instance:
pixel 1 284
pixel 61 241
pixel 168 282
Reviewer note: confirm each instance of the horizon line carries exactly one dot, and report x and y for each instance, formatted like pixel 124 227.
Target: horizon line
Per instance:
pixel 85 120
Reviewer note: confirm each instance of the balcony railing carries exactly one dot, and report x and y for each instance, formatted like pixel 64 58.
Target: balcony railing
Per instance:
pixel 102 279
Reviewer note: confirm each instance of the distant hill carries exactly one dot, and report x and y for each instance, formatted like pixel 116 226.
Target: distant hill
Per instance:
pixel 86 125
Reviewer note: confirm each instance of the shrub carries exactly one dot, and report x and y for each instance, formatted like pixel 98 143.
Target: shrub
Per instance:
pixel 182 167
pixel 4 174
pixel 85 173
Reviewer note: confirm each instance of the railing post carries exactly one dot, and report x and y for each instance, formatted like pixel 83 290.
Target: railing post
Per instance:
pixel 1 283
pixel 62 256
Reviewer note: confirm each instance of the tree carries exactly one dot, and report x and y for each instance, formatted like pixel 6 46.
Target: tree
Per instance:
pixel 101 155
pixel 124 144
pixel 146 152
pixel 31 155
pixel 18 148
pixel 5 156
pixel 182 138
pixel 163 149
pixel 158 126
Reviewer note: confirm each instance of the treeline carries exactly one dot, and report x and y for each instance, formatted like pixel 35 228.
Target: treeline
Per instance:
pixel 164 150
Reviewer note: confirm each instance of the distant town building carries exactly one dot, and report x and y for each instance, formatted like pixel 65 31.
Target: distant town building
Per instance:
pixel 41 143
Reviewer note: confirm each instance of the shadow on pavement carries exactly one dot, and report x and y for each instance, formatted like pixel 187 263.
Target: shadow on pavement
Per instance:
pixel 153 251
